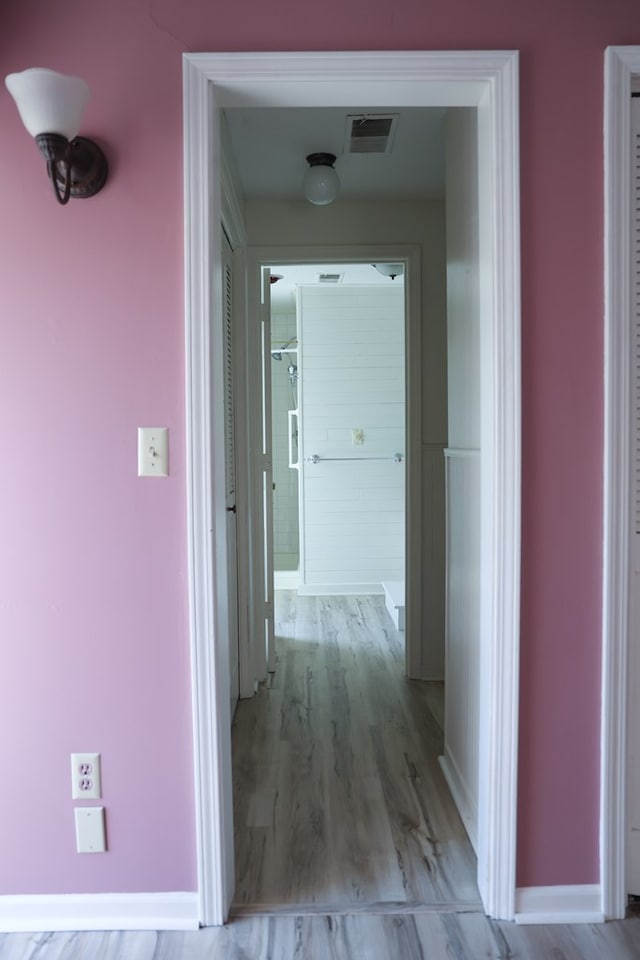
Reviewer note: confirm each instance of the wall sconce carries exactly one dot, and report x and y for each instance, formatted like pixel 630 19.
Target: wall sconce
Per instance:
pixel 321 182
pixel 51 107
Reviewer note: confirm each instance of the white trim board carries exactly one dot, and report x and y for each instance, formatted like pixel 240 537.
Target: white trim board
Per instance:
pixel 286 580
pixel 621 63
pixel 488 81
pixel 99 911
pixel 563 904
pixel 464 803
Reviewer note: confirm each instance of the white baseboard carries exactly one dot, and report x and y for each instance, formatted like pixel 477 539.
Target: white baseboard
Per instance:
pixel 461 797
pixel 286 579
pixel 99 911
pixel 339 589
pixel 579 903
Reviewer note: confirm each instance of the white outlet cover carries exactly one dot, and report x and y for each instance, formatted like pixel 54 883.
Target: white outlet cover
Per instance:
pixel 86 778
pixel 90 836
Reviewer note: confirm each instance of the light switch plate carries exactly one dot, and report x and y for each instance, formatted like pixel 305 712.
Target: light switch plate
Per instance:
pixel 153 451
pixel 90 837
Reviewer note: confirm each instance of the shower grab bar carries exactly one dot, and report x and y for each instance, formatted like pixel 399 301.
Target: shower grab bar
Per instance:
pixel 291 414
pixel 397 458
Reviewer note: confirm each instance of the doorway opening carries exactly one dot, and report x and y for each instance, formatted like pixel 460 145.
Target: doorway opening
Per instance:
pixel 338 430
pixel 487 82
pixel 366 322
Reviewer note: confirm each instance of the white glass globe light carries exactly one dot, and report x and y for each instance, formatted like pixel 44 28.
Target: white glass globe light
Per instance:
pixel 49 102
pixel 392 270
pixel 321 183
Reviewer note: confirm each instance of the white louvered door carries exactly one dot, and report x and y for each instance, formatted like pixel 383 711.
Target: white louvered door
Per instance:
pixel 634 621
pixel 230 470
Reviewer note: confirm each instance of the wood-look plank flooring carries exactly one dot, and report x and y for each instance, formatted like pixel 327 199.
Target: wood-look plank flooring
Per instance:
pixel 445 936
pixel 340 803
pixel 335 771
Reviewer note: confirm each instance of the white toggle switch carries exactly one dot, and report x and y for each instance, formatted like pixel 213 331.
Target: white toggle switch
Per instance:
pixel 153 452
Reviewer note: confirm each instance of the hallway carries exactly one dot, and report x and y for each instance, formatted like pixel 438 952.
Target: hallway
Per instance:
pixel 340 802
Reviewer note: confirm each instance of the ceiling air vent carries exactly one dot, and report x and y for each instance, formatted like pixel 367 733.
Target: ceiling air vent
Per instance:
pixel 370 132
pixel 330 277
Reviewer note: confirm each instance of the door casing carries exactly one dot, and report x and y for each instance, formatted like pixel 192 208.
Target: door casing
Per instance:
pixel 622 65
pixel 487 81
pixel 409 256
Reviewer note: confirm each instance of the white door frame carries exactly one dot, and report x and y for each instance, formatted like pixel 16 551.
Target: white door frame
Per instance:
pixel 489 82
pixel 621 64
pixel 409 255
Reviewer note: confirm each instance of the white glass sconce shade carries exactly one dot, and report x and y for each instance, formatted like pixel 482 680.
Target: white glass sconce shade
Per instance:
pixel 321 183
pixel 49 102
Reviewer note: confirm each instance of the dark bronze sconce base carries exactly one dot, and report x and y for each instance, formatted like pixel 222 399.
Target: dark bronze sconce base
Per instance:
pixel 77 168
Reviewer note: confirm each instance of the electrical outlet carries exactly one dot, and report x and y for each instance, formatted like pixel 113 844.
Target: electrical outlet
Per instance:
pixel 86 782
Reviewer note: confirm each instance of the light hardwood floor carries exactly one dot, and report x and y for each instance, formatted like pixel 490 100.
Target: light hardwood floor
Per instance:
pixel 442 936
pixel 348 845
pixel 339 798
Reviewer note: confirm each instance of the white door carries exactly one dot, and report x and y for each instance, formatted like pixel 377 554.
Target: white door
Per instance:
pixel 230 469
pixel 634 619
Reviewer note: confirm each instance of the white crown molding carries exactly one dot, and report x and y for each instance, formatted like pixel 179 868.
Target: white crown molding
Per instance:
pixel 562 904
pixel 621 63
pixel 99 911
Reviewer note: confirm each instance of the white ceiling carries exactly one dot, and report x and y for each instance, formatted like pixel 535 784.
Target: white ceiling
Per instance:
pixel 270 146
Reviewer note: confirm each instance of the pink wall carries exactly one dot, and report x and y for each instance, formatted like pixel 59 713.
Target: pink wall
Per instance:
pixel 93 560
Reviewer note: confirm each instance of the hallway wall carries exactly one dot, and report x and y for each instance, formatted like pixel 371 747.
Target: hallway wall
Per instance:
pixel 462 468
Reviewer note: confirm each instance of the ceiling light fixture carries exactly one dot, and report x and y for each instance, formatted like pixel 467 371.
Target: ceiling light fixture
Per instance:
pixel 321 182
pixel 392 270
pixel 51 106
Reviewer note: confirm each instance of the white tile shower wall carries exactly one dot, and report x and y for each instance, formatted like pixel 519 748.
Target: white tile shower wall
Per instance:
pixel 352 378
pixel 283 398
